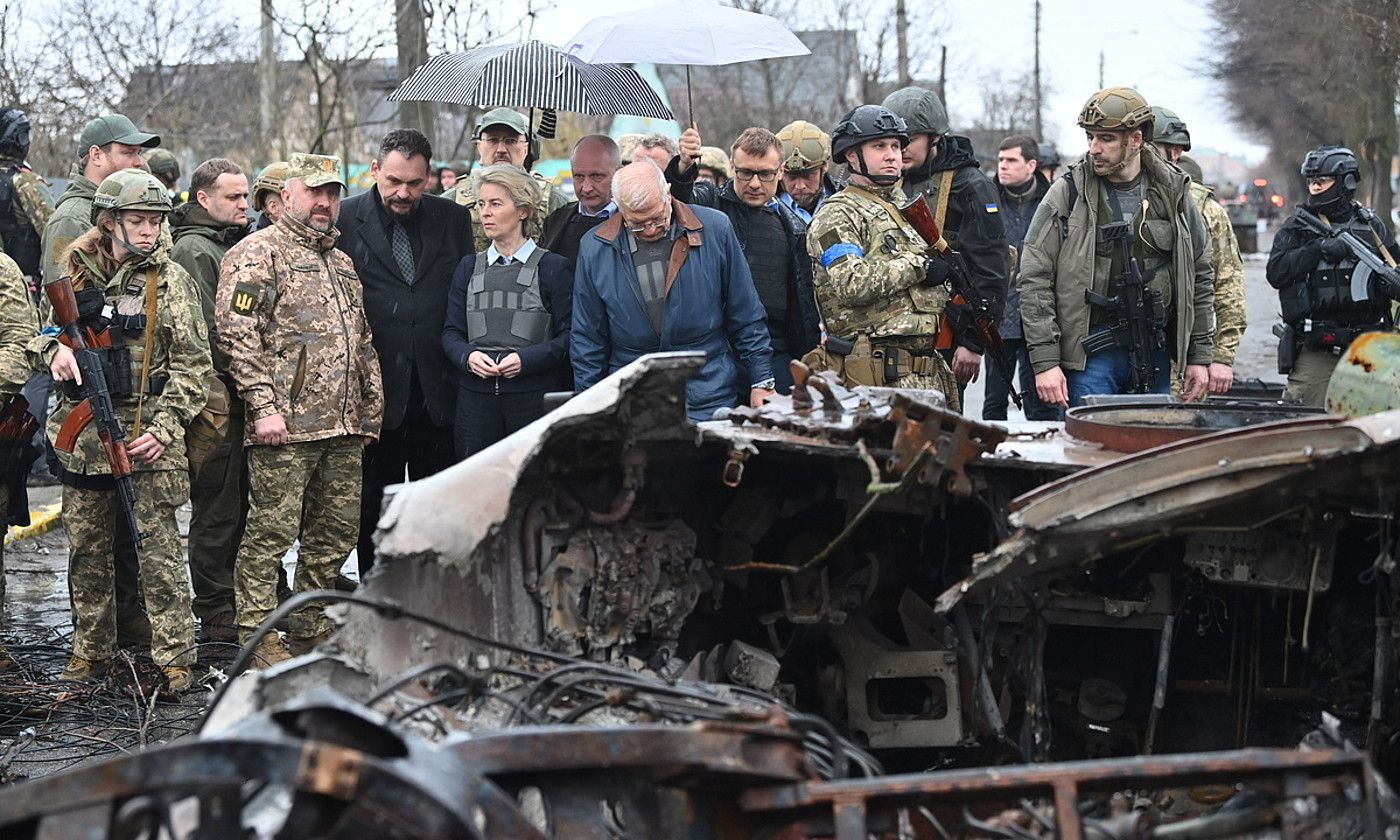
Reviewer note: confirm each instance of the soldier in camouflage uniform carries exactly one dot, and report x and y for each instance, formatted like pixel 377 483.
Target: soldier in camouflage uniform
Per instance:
pixel 107 144
pixel 25 201
pixel 291 319
pixel 1173 139
pixel 503 136
pixel 123 263
pixel 19 324
pixel 875 285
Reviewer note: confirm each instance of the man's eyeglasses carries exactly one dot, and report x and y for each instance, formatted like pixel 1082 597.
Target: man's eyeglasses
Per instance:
pixel 657 221
pixel 501 141
pixel 743 174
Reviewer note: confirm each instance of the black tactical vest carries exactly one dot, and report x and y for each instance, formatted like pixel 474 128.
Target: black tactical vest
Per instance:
pixel 504 308
pixel 1329 285
pixel 765 245
pixel 22 242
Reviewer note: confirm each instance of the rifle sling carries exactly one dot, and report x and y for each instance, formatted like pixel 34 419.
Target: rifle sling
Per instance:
pixel 945 183
pixel 145 386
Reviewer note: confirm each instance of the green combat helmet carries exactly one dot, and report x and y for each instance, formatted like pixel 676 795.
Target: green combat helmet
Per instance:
pixel 164 165
pixel 804 146
pixel 1169 128
pixel 130 189
pixel 1116 109
pixel 921 109
pixel 714 158
pixel 271 179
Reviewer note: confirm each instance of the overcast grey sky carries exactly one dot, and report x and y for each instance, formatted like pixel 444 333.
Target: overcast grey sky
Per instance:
pixel 1161 48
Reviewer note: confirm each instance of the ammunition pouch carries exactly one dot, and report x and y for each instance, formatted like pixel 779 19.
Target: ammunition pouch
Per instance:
pixel 116 366
pixel 130 325
pixel 861 362
pixel 1287 347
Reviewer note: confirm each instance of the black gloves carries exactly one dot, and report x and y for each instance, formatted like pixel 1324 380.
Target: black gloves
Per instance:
pixel 1334 249
pixel 935 271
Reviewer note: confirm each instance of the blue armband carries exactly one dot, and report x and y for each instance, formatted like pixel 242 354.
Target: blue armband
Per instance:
pixel 51 332
pixel 839 251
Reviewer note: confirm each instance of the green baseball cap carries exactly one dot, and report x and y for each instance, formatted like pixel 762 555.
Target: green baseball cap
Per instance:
pixel 514 120
pixel 315 170
pixel 114 128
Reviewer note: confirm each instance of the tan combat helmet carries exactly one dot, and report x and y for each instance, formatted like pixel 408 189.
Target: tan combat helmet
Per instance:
pixel 714 158
pixel 1117 109
pixel 270 180
pixel 130 189
pixel 804 146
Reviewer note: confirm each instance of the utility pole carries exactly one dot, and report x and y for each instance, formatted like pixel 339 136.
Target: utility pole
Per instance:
pixel 411 37
pixel 267 82
pixel 901 35
pixel 943 73
pixel 1100 68
pixel 1039 129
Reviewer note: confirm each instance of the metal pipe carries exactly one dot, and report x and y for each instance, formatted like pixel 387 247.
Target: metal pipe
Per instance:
pixel 1378 678
pixel 1159 691
pixel 986 700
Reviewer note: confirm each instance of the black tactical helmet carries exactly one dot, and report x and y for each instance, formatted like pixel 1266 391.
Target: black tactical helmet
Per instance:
pixel 14 134
pixel 866 122
pixel 1049 158
pixel 1333 162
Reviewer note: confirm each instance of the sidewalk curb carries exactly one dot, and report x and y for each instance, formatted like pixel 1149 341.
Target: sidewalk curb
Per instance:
pixel 40 521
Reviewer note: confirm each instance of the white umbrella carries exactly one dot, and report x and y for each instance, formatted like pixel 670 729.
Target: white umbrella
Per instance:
pixel 685 32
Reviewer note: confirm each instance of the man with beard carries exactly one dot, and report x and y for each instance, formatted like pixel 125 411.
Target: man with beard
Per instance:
pixel 291 321
pixel 205 228
pixel 1313 274
pixel 1066 256
pixel 405 246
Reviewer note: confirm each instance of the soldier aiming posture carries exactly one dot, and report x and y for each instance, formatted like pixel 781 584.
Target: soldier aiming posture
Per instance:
pixel 1313 269
pixel 159 358
pixel 1070 258
pixel 292 321
pixel 880 295
pixel 1174 140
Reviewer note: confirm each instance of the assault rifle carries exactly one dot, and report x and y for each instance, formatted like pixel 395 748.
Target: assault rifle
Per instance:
pixel 1368 262
pixel 96 404
pixel 968 311
pixel 1139 316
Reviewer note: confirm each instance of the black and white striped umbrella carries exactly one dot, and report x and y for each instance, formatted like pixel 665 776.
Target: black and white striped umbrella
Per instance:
pixel 532 75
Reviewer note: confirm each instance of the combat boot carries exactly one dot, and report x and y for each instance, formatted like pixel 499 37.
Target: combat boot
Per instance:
pixel 79 669
pixel 304 645
pixel 270 651
pixel 178 679
pixel 219 627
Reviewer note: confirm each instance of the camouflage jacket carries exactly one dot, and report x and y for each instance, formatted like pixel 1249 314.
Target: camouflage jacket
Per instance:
pixel 868 268
pixel 179 356
pixel 33 201
pixel 19 325
pixel 72 217
pixel 465 196
pixel 200 245
pixel 1229 275
pixel 290 316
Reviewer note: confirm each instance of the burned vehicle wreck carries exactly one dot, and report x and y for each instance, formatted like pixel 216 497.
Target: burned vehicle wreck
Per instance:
pixel 616 623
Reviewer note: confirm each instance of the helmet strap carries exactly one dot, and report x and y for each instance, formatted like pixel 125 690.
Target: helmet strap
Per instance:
pixel 123 241
pixel 878 180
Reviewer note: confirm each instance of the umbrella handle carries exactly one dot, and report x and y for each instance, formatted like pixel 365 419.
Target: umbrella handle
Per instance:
pixel 689 103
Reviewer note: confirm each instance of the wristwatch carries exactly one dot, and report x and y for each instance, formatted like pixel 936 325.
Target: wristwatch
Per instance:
pixel 769 384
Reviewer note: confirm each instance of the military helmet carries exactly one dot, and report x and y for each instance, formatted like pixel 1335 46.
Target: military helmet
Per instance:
pixel 921 110
pixel 1116 109
pixel 713 157
pixel 1190 167
pixel 1333 162
pixel 14 134
pixel 804 146
pixel 1168 128
pixel 866 122
pixel 164 165
pixel 1049 158
pixel 130 189
pixel 271 179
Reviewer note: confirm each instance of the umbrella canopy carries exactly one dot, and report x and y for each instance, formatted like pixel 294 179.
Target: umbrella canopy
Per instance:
pixel 685 32
pixel 532 75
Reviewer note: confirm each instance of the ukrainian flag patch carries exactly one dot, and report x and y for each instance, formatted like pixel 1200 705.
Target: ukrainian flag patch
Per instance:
pixel 992 208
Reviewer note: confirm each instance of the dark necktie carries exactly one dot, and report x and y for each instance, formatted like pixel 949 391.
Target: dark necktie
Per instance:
pixel 403 252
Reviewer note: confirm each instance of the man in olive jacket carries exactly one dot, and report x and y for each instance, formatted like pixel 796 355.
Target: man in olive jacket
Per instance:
pixel 1122 178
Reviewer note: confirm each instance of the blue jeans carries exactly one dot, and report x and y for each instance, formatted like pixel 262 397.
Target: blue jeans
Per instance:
pixel 1108 372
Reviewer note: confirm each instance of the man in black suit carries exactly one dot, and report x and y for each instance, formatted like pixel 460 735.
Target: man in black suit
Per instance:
pixel 405 246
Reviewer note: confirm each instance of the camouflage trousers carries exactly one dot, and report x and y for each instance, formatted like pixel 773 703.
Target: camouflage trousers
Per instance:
pixel 90 517
pixel 309 489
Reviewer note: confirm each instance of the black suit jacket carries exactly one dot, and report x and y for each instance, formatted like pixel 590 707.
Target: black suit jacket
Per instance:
pixel 407 319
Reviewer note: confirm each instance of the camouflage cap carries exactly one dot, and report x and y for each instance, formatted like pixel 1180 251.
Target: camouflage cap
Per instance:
pixel 314 170
pixel 804 146
pixel 512 119
pixel 114 128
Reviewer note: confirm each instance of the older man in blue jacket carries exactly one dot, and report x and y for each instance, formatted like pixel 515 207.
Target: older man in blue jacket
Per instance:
pixel 660 276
